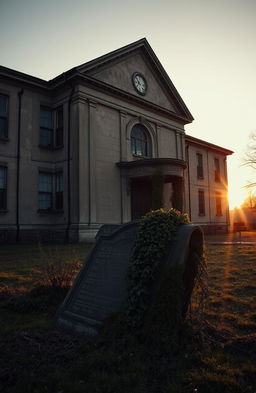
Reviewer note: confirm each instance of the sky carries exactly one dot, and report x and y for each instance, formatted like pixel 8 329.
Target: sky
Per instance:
pixel 207 47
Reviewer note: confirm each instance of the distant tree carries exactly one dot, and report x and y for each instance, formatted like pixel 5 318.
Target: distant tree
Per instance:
pixel 250 201
pixel 250 157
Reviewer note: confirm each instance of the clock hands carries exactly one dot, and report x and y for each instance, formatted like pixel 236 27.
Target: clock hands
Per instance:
pixel 139 83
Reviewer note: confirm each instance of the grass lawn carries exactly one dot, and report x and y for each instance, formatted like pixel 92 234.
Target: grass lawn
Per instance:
pixel 242 236
pixel 220 356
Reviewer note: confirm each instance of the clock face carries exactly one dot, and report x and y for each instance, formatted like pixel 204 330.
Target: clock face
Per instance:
pixel 139 83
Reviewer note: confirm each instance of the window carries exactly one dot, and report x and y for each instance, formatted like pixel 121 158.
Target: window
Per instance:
pixel 201 203
pixel 4 103
pixel 218 204
pixel 140 144
pixel 200 169
pixel 59 191
pixel 50 191
pixel 217 169
pixel 3 188
pixel 45 188
pixel 59 127
pixel 51 127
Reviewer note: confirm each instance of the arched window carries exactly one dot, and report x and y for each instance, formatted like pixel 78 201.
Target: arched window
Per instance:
pixel 140 142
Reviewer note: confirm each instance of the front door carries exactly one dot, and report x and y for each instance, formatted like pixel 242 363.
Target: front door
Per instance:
pixel 141 197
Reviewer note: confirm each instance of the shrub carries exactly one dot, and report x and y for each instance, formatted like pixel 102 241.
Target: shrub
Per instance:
pixel 48 291
pixel 60 273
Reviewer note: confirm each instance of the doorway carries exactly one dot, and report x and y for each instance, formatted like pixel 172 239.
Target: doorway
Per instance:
pixel 141 197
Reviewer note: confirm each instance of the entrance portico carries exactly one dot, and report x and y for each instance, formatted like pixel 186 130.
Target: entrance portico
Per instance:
pixel 141 177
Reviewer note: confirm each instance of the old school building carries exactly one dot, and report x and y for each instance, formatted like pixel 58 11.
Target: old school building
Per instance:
pixel 98 144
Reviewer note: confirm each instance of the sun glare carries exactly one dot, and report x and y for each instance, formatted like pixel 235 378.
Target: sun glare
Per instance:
pixel 236 197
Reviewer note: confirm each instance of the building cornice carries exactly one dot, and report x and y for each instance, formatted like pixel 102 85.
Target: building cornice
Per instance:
pixel 156 162
pixel 75 77
pixel 80 74
pixel 139 101
pixel 22 78
pixel 190 140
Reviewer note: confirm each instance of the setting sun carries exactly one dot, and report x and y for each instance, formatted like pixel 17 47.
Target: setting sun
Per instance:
pixel 238 177
pixel 236 195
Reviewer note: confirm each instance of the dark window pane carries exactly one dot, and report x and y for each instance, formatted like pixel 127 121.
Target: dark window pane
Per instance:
pixel 3 105
pixel 138 133
pixel 3 199
pixel 144 149
pixel 59 200
pixel 45 201
pixel 46 118
pixel 218 204
pixel 201 203
pixel 3 128
pixel 217 169
pixel 3 177
pixel 139 148
pixel 59 182
pixel 217 164
pixel 46 137
pixel 59 136
pixel 59 127
pixel 45 182
pixel 217 176
pixel 200 169
pixel 3 116
pixel 200 173
pixel 46 127
pixel 3 187
pixel 139 141
pixel 59 117
pixel 133 146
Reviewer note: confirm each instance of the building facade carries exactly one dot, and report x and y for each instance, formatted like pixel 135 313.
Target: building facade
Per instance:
pixel 97 145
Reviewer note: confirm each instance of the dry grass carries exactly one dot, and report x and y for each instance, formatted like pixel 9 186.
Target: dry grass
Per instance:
pixel 219 358
pixel 232 287
pixel 23 265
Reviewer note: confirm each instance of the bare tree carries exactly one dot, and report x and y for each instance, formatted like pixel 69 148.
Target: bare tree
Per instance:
pixel 250 157
pixel 250 200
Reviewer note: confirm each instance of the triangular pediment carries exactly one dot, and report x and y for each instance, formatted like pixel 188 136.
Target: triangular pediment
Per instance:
pixel 117 69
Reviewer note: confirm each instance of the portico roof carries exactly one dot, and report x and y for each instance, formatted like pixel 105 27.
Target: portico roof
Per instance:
pixel 149 166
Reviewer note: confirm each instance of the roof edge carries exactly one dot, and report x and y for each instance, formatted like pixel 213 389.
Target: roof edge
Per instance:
pixel 192 140
pixel 9 72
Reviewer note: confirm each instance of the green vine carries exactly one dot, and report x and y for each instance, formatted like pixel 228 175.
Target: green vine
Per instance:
pixel 156 229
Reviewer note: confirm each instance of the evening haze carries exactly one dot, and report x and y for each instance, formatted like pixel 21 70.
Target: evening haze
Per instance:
pixel 208 49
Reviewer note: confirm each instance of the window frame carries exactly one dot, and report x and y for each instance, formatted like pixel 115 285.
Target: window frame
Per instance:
pixel 41 192
pixel 59 193
pixel 59 128
pixel 56 205
pixel 218 200
pixel 217 170
pixel 5 117
pixel 56 130
pixel 142 144
pixel 201 202
pixel 3 207
pixel 200 166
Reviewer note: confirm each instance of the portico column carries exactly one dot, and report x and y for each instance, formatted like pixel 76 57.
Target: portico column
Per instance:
pixel 125 200
pixel 92 164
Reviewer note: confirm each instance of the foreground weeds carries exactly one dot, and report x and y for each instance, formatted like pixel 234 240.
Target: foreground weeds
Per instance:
pixel 214 353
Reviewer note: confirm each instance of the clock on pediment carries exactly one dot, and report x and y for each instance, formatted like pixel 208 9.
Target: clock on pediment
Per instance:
pixel 139 83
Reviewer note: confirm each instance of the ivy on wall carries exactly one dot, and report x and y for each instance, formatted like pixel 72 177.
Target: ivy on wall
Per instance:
pixel 155 231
